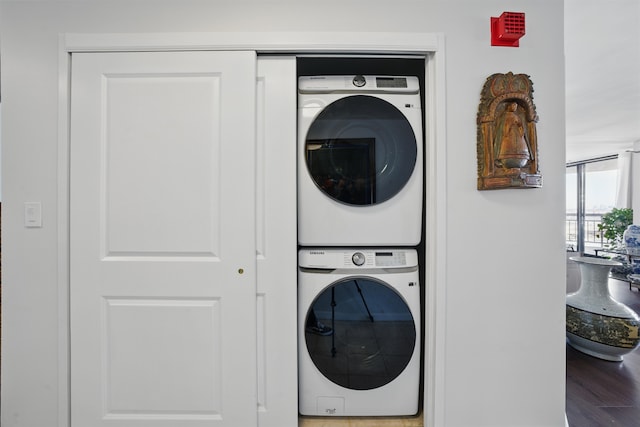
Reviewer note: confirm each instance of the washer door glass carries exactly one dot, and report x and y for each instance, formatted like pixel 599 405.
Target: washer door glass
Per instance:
pixel 360 333
pixel 361 150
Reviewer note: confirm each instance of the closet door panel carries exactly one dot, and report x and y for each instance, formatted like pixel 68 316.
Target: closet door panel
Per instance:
pixel 277 241
pixel 162 223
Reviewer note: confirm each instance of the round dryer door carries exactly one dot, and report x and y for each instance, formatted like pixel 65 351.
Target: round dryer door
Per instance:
pixel 361 150
pixel 360 333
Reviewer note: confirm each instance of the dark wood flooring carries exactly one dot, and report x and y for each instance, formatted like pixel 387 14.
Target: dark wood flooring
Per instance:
pixel 601 393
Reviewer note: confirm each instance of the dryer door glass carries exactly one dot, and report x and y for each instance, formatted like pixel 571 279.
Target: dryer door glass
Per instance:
pixel 361 150
pixel 360 333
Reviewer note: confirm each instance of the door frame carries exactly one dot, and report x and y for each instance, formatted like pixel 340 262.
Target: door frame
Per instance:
pixel 430 45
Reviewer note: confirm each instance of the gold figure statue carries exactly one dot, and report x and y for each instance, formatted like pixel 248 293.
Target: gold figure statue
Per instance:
pixel 511 140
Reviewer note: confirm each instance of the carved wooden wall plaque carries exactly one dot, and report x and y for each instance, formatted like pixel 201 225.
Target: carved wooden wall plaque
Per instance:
pixel 507 142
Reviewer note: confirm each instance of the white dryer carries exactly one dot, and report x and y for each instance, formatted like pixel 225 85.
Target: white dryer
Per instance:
pixel 359 332
pixel 360 161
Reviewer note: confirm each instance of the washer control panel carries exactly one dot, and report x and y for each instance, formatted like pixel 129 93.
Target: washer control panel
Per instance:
pixel 391 259
pixel 357 258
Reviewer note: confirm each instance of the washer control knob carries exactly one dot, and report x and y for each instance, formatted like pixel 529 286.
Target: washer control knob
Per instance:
pixel 359 81
pixel 358 258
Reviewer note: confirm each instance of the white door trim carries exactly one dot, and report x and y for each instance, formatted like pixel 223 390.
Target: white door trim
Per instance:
pixel 419 43
pixel 431 45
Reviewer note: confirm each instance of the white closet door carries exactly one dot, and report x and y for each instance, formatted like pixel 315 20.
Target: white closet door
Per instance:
pixel 162 219
pixel 277 242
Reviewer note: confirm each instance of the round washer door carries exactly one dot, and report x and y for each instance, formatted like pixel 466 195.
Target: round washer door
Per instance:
pixel 360 150
pixel 360 333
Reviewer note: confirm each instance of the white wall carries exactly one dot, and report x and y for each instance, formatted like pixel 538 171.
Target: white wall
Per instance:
pixel 504 344
pixel 506 281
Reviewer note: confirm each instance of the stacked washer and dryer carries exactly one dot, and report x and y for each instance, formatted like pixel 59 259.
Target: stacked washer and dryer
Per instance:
pixel 360 192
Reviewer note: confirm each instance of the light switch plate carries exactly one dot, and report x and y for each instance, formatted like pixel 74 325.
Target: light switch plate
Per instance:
pixel 32 214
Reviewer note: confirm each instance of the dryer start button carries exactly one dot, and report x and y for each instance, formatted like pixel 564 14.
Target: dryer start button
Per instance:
pixel 358 258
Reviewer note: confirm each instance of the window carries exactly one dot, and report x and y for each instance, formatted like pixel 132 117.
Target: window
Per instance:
pixel 590 193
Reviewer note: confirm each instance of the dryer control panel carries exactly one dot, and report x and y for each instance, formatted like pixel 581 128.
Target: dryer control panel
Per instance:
pixel 359 83
pixel 357 258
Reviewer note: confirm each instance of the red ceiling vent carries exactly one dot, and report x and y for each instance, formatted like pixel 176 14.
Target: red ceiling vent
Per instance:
pixel 507 29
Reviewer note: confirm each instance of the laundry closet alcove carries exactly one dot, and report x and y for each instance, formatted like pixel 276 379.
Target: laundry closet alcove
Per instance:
pixel 181 244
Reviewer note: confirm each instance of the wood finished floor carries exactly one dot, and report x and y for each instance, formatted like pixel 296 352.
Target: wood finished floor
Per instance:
pixel 601 393
pixel 416 421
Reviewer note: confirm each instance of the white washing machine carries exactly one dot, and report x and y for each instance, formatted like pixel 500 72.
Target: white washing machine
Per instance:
pixel 359 332
pixel 360 161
